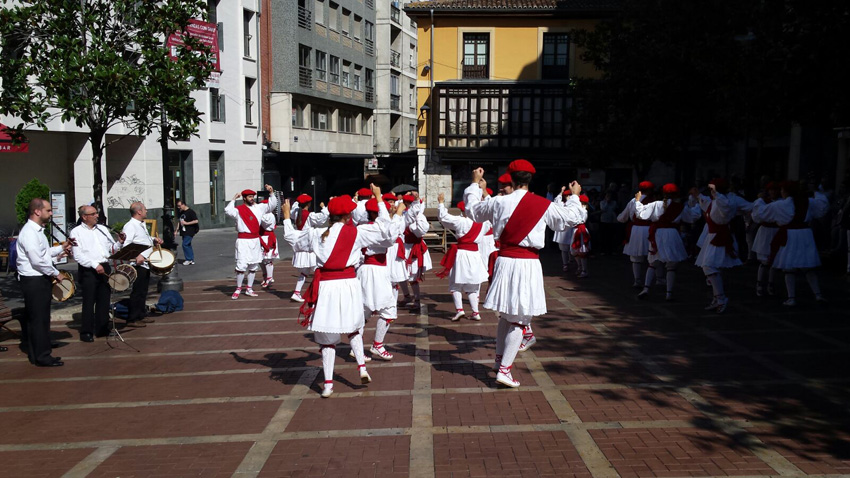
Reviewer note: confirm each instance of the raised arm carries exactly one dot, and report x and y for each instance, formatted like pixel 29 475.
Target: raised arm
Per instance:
pixel 559 218
pixel 626 215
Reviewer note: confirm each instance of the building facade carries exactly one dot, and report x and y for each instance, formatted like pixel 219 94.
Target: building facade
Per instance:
pixel 320 92
pixel 205 171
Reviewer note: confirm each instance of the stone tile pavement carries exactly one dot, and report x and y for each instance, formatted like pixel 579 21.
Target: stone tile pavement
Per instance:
pixel 614 387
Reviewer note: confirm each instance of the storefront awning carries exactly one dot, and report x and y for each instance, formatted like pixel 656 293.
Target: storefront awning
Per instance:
pixel 7 146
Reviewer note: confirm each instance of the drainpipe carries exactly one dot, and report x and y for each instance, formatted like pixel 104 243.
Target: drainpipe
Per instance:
pixel 431 97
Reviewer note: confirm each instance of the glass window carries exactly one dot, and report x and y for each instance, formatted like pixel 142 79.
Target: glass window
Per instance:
pixel 346 74
pixel 249 101
pixel 346 22
pixel 358 72
pixel 320 11
pixel 334 69
pixel 346 121
pixel 333 16
pixel 216 105
pixel 556 56
pixel 475 55
pixel 321 65
pixel 357 27
pixel 320 118
pixel 298 108
pixel 247 28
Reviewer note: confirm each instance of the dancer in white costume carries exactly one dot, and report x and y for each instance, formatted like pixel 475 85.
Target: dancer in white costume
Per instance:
pixel 564 238
pixel 519 222
pixel 268 241
pixel 412 247
pixel 334 300
pixel 766 277
pixel 304 220
pixel 580 242
pixel 637 233
pixel 359 215
pixel 249 252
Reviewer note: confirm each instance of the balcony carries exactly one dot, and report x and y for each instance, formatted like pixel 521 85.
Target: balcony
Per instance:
pixel 395 14
pixel 395 102
pixel 370 4
pixel 305 77
pixel 305 18
pixel 476 72
pixel 395 59
pixel 370 94
pixel 370 47
pixel 395 144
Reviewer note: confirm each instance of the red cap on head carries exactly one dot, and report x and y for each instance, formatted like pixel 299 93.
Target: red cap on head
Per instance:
pixel 304 198
pixel 719 183
pixel 584 199
pixel 372 205
pixel 670 188
pixel 389 197
pixel 772 185
pixel 364 192
pixel 566 192
pixel 408 198
pixel 790 186
pixel 264 201
pixel 645 185
pixel 521 165
pixel 341 205
pixel 489 192
pixel 249 192
pixel 462 206
pixel 505 179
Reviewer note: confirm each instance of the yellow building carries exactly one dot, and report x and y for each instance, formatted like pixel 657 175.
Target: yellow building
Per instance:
pixel 493 82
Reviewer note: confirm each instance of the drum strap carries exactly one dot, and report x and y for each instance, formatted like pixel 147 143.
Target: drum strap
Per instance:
pixel 108 238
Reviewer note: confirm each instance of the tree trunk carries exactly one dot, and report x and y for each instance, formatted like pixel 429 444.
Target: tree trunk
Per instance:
pixel 96 139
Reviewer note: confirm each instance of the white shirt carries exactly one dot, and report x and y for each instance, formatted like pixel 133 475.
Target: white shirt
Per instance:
pixel 259 210
pixel 460 225
pixel 94 245
pixel 137 233
pixel 359 214
pixel 35 256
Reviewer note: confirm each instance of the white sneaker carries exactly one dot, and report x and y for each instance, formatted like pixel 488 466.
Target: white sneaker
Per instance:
pixel 366 358
pixel 527 343
pixel 328 390
pixel 790 302
pixel 643 294
pixel 460 314
pixel 296 297
pixel 476 316
pixel 712 305
pixel 364 376
pixel 507 380
pixel 236 294
pixel 251 293
pixel 583 275
pixel 721 305
pixel 380 353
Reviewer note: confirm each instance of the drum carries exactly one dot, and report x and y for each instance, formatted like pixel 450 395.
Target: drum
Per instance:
pixel 129 270
pixel 122 278
pixel 162 261
pixel 64 288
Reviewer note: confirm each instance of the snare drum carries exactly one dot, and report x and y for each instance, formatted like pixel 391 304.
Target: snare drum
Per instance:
pixel 64 288
pixel 161 261
pixel 122 278
pixel 129 270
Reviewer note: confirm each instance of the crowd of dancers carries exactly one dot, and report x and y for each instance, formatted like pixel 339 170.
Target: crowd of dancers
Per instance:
pixel 367 255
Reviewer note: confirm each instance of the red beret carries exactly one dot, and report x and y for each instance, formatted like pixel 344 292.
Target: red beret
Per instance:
pixel 670 188
pixel 489 192
pixel 462 206
pixel 521 165
pixel 372 205
pixel 773 185
pixel 364 192
pixel 304 198
pixel 584 198
pixel 505 179
pixel 790 186
pixel 566 192
pixel 719 183
pixel 408 198
pixel 644 185
pixel 264 201
pixel 389 197
pixel 249 192
pixel 341 205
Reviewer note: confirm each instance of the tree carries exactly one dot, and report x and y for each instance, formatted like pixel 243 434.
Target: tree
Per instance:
pixel 101 64
pixel 31 190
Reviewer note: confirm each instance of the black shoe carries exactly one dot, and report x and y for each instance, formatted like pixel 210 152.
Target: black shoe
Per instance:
pixel 86 338
pixel 136 323
pixel 4 349
pixel 54 345
pixel 55 363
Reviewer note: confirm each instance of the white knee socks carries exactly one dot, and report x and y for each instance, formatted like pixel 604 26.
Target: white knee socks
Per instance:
pixel 458 298
pixel 298 285
pixel 473 301
pixel 636 268
pixel 328 357
pixel 381 331
pixel 240 277
pixel 565 258
pixel 513 339
pixel 791 284
pixel 251 278
pixel 404 290
pixel 671 278
pixel 356 342
pixel 717 285
pixel 650 276
pixel 269 270
pixel 812 278
pixel 501 332
pixel 764 269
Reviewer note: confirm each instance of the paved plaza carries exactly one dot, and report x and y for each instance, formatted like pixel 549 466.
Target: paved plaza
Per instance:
pixel 613 387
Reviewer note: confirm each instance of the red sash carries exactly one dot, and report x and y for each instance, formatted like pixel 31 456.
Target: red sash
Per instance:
pixel 465 243
pixel 271 241
pixel 335 268
pixel 302 219
pixel 781 238
pixel 635 221
pixel 375 259
pixel 580 237
pixel 527 214
pixel 722 234
pixel 417 252
pixel 250 221
pixel 664 222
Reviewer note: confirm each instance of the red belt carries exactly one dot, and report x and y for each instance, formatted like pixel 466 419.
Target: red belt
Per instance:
pixel 448 261
pixel 247 235
pixel 376 260
pixel 780 240
pixel 653 246
pixel 312 293
pixel 518 252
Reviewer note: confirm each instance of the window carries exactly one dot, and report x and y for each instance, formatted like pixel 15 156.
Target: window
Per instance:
pixel 346 22
pixel 412 57
pixel 356 28
pixel 358 72
pixel 212 11
pixel 370 85
pixel 249 101
pixel 556 53
pixel 298 108
pixel 334 69
pixel 411 97
pixel 411 133
pixel 346 74
pixel 247 29
pixel 333 16
pixel 346 121
pixel 305 73
pixel 322 65
pixel 369 37
pixel 395 96
pixel 319 11
pixel 475 55
pixel 216 106
pixel 320 118
pixel 364 124
pixel 305 16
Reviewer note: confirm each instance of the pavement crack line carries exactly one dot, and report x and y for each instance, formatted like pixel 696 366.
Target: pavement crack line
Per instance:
pixel 421 434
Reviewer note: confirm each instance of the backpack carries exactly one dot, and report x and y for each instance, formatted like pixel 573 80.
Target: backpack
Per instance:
pixel 121 309
pixel 169 301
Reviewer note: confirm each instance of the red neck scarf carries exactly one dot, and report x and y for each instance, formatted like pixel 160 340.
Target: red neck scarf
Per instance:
pixel 271 241
pixel 580 237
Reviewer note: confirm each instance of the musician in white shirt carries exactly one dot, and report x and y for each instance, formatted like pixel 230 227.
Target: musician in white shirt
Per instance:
pixel 36 274
pixel 94 246
pixel 136 232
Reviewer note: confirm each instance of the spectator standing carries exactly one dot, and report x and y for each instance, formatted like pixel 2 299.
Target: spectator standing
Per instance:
pixel 188 228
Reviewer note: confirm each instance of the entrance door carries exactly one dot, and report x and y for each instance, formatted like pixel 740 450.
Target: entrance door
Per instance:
pixel 217 197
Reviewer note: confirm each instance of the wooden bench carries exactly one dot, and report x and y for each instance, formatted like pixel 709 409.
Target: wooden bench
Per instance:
pixel 438 237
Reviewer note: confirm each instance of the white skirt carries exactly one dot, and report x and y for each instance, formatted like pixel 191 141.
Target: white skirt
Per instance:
pixel 670 246
pixel 800 252
pixel 563 237
pixel 487 247
pixel 398 268
pixel 413 268
pixel 272 254
pixel 248 251
pixel 713 256
pixel 469 268
pixel 517 287
pixel 702 236
pixel 638 244
pixel 761 244
pixel 339 309
pixel 376 286
pixel 304 260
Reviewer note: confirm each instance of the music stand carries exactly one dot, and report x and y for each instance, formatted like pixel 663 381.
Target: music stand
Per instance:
pixel 127 253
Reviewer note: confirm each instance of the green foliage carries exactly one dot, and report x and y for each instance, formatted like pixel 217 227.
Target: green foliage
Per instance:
pixel 99 64
pixel 31 190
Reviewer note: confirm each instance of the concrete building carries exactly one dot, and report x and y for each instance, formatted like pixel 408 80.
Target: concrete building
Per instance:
pixel 319 90
pixel 205 171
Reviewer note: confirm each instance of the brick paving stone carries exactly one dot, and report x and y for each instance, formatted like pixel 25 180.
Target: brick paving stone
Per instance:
pixel 815 364
pixel 548 326
pixel 642 404
pixel 468 409
pixel 695 369
pixel 473 375
pixel 40 463
pixel 814 448
pixel 451 352
pixel 384 378
pixel 462 334
pixel 50 426
pixel 628 327
pixel 676 452
pixel 255 313
pixel 576 347
pixel 774 403
pixel 594 371
pixel 779 341
pixel 507 454
pixel 352 413
pixel 655 343
pixel 213 460
pixel 380 456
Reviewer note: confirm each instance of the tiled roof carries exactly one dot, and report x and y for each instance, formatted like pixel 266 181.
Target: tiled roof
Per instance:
pixel 584 6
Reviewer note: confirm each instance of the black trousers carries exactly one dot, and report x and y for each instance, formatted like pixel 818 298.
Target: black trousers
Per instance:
pixel 139 294
pixel 95 300
pixel 36 326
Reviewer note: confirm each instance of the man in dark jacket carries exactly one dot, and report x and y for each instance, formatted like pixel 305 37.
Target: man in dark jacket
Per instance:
pixel 188 228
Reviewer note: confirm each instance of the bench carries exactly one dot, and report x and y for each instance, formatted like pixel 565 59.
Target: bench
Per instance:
pixel 438 237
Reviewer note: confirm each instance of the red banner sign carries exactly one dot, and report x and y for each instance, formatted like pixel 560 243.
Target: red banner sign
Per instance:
pixel 6 145
pixel 206 33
